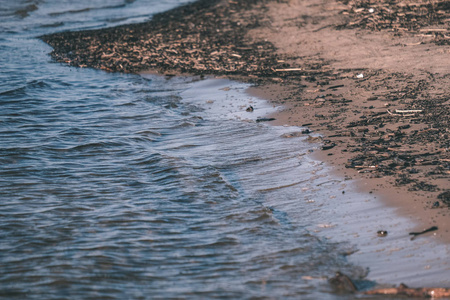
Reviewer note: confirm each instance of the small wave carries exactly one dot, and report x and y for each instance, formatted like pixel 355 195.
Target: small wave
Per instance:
pixel 73 131
pixel 13 92
pixel 128 103
pixel 225 241
pixel 57 24
pixel 37 84
pixel 124 19
pixel 148 132
pixel 257 215
pixel 94 146
pixel 282 186
pixel 82 10
pixel 74 11
pixel 34 84
pixel 183 125
pixel 147 160
pixel 25 12
pixel 140 140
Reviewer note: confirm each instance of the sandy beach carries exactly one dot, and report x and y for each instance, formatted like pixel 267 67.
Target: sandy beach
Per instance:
pixel 372 78
pixel 368 68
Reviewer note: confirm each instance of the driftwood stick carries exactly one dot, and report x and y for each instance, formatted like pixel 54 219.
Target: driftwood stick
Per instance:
pixel 410 292
pixel 406 111
pixel 433 30
pixel 289 70
pixel 343 282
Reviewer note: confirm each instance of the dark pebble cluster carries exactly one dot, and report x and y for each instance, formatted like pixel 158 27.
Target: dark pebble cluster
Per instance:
pixel 198 38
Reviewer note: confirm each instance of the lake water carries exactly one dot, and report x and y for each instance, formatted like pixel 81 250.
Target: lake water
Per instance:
pixel 117 186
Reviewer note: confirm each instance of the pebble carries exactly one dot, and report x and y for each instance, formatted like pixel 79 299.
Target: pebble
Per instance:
pixel 382 233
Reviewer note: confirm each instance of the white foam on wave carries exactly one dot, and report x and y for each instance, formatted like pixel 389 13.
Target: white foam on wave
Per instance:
pixel 352 217
pixel 226 99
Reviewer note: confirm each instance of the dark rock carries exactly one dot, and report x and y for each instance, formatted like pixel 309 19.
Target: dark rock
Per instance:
pixel 382 233
pixel 265 119
pixel 328 147
pixel 445 197
pixel 343 282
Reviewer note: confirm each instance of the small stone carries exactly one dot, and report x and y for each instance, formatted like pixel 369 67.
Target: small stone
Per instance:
pixel 382 233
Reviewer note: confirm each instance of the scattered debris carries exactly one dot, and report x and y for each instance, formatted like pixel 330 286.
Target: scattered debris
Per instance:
pixel 435 204
pixel 314 139
pixel 344 283
pixel 415 234
pixel 404 290
pixel 292 134
pixel 328 147
pixel 265 119
pixel 445 197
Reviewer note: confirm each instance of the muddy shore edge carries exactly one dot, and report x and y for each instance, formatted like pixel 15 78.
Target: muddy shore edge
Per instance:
pixel 372 78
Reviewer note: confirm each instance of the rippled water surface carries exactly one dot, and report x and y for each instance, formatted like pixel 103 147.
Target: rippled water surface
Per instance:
pixel 119 186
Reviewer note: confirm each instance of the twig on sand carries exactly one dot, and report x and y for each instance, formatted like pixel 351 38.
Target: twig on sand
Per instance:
pixel 289 70
pixel 404 112
pixel 433 30
pixel 343 282
pixel 403 290
pixel 415 234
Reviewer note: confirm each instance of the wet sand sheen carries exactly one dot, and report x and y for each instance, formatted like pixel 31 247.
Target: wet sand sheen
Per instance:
pixel 342 211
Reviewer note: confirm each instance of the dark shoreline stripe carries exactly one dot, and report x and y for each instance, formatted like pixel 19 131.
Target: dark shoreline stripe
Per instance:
pixel 204 37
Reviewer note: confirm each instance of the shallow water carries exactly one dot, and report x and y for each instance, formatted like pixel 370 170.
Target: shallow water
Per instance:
pixel 120 186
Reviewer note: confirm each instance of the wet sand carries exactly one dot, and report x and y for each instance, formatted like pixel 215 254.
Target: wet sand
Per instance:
pixel 374 81
pixel 372 74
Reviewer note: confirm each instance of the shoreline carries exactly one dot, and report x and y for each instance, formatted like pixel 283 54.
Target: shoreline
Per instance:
pixel 354 109
pixel 414 205
pixel 336 204
pixel 380 98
